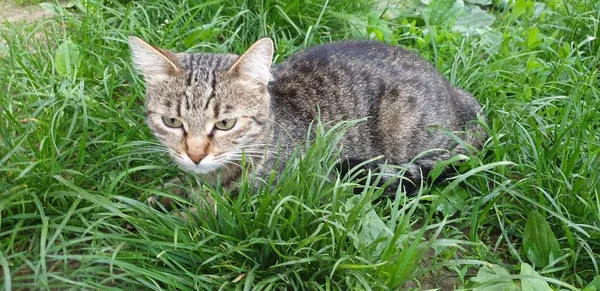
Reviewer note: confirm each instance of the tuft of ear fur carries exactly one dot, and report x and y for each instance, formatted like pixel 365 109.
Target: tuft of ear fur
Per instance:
pixel 255 63
pixel 156 64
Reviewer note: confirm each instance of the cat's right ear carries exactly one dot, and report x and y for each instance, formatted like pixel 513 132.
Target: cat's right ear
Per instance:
pixel 155 63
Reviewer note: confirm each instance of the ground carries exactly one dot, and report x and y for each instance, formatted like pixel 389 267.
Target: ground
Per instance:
pixel 14 12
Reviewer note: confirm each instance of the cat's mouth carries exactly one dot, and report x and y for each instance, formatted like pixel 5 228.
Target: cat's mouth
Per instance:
pixel 214 162
pixel 206 166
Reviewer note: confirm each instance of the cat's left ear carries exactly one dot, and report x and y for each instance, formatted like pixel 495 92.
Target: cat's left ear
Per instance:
pixel 255 63
pixel 155 63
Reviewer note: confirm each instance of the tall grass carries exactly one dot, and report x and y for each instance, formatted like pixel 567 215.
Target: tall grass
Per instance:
pixel 77 161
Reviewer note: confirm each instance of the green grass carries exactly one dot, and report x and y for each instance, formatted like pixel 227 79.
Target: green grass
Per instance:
pixel 77 161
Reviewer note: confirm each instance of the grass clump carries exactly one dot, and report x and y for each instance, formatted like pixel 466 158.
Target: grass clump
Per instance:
pixel 77 161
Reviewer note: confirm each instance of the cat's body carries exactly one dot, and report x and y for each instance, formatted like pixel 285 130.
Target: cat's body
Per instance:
pixel 405 100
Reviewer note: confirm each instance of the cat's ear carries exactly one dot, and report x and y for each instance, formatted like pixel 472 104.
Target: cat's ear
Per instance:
pixel 255 63
pixel 156 64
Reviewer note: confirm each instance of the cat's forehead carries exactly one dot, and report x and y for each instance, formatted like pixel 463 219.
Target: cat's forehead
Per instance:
pixel 194 91
pixel 202 73
pixel 202 66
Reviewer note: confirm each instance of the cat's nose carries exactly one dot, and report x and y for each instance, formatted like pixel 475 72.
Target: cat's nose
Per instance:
pixel 196 158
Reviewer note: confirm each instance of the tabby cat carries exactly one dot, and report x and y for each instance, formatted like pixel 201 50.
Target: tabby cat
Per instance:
pixel 209 110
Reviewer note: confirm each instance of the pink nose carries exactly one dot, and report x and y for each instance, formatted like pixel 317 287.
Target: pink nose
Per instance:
pixel 196 158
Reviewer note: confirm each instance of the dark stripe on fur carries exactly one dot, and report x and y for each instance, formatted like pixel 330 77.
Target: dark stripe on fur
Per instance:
pixel 213 93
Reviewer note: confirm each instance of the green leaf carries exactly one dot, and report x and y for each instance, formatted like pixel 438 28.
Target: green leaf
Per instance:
pixel 493 278
pixel 54 9
pixel 534 38
pixel 532 280
pixel 491 41
pixel 500 4
pixel 473 20
pixel 372 230
pixel 378 28
pixel 67 59
pixel 532 63
pixel 594 285
pixel 451 202
pixel 443 12
pixel 518 9
pixel 539 241
pixel 538 9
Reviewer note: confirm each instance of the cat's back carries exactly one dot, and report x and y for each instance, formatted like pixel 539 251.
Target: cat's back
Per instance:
pixel 349 78
pixel 356 55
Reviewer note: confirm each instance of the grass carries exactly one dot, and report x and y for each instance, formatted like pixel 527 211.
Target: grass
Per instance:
pixel 77 161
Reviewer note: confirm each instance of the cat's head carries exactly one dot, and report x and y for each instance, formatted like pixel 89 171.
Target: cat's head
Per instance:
pixel 207 108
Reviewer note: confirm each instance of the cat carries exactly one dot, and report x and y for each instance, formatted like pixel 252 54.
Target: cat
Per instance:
pixel 208 110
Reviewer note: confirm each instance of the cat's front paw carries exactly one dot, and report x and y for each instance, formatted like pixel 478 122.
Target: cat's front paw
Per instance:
pixel 203 202
pixel 176 188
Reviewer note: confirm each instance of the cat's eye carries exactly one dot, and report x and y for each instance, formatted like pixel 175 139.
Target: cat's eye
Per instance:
pixel 225 124
pixel 172 122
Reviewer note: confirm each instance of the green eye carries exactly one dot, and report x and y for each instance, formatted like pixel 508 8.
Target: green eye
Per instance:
pixel 172 122
pixel 225 124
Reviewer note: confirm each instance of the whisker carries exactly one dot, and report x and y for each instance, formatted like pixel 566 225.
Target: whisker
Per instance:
pixel 251 151
pixel 257 146
pixel 247 154
pixel 227 162
pixel 280 125
pixel 240 157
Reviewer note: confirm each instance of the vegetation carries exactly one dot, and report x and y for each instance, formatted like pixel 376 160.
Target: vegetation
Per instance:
pixel 77 162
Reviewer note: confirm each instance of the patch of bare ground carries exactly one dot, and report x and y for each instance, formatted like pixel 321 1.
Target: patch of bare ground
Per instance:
pixel 15 18
pixel 443 278
pixel 12 11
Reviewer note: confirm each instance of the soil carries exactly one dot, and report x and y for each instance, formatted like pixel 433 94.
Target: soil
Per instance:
pixel 12 11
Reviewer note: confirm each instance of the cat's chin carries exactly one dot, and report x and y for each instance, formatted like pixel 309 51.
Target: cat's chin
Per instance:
pixel 199 168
